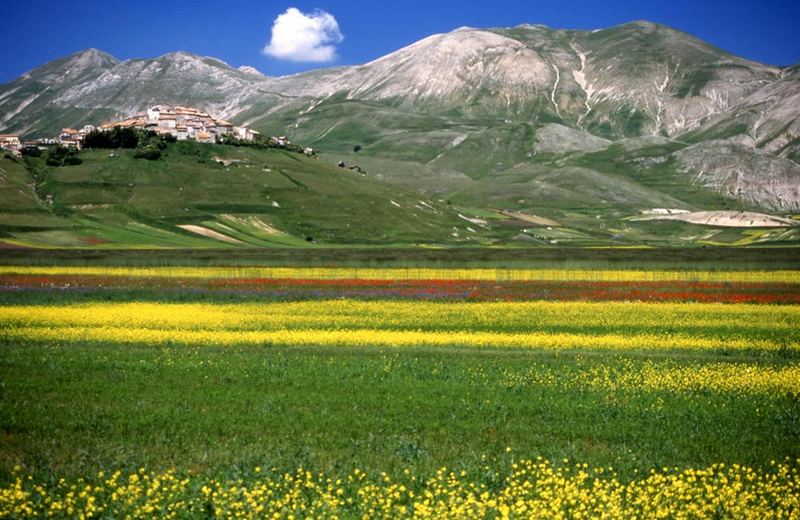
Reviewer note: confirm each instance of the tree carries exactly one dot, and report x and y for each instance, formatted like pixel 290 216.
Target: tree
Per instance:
pixel 118 137
pixel 149 153
pixel 32 151
pixel 61 156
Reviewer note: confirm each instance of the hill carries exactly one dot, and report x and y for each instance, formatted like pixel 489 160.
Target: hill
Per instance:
pixel 587 129
pixel 200 195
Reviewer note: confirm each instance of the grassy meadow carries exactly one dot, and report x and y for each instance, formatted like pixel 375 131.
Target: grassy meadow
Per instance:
pixel 227 198
pixel 429 392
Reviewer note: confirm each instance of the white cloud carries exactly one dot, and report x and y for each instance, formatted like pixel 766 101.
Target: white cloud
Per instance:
pixel 297 36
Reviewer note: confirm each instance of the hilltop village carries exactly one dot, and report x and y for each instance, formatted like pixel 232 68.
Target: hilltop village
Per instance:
pixel 183 123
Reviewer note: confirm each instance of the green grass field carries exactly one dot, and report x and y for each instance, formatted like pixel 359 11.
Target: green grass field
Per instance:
pixel 261 198
pixel 73 411
pixel 119 402
pixel 204 196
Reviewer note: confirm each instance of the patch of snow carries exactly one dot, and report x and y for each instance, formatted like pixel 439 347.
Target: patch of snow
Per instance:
pixel 660 101
pixel 27 101
pixel 395 204
pixel 455 142
pixel 580 79
pixel 458 140
pixel 553 92
pixel 315 104
pixel 328 130
pixel 11 91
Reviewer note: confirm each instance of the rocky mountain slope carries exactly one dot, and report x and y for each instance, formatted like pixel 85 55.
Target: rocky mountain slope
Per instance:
pixel 487 117
pixel 29 104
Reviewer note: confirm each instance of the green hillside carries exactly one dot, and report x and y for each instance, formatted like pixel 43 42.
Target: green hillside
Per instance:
pixel 219 196
pixel 223 196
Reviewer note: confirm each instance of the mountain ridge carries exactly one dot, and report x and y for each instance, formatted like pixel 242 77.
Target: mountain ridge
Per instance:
pixel 481 104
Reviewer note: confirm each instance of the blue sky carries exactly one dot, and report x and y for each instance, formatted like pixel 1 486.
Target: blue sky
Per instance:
pixel 237 31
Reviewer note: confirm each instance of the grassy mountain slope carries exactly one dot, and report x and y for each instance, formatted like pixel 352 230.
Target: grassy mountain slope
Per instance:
pixel 261 198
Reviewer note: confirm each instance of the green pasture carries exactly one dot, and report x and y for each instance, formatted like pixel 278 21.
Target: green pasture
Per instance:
pixel 77 410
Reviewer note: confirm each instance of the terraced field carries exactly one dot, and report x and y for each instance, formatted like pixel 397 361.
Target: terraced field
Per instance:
pixel 399 392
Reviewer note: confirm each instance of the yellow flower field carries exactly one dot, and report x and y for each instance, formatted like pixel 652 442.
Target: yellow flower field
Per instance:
pixel 689 401
pixel 528 325
pixel 532 489
pixel 652 376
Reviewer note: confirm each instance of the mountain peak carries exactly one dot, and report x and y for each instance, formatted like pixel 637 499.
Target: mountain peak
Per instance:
pixel 644 24
pixel 87 61
pixel 179 56
pixel 185 58
pixel 92 57
pixel 247 69
pixel 531 26
pixel 92 51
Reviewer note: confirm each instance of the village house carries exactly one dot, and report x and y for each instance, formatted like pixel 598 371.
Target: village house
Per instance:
pixel 10 142
pixel 281 140
pixel 132 122
pixel 245 133
pixel 70 138
pixel 204 137
pixel 42 143
pixel 224 127
pixel 183 123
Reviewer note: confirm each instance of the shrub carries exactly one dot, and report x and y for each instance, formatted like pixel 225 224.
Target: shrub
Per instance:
pixel 72 160
pixel 151 153
pixel 116 138
pixel 61 156
pixel 32 151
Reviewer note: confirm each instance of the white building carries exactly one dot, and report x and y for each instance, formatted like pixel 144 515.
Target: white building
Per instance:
pixel 10 142
pixel 245 133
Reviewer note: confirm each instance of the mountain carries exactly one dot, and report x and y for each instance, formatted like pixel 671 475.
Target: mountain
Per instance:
pixel 30 104
pixel 477 103
pixel 210 195
pixel 552 122
pixel 636 79
pixel 90 86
